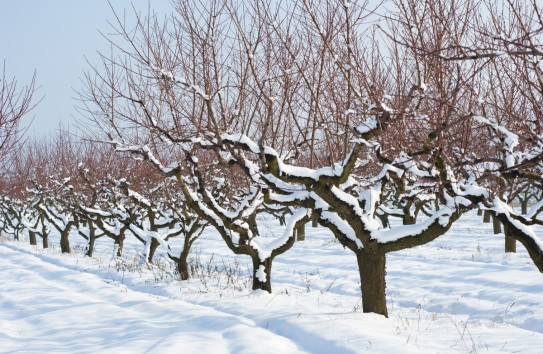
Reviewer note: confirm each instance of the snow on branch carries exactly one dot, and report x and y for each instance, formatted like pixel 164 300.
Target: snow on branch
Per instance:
pixel 148 155
pixel 265 251
pixel 510 141
pixel 441 218
pixel 535 210
pixel 190 86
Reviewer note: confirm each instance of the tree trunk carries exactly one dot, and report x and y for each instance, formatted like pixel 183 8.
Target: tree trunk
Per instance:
pixel 524 206
pixel 44 239
pixel 44 235
pixel 371 265
pixel 119 245
pixel 64 241
pixel 183 267
pixel 152 249
pixel 409 219
pixel 510 242
pixel 300 233
pixel 90 246
pixel 496 225
pixel 486 217
pixel 32 238
pixel 262 274
pixel 119 241
pixel 183 264
pixel 315 223
pixel 92 238
pixel 384 220
pixel 479 212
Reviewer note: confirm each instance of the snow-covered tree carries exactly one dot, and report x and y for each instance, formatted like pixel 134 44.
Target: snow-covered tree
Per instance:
pixel 305 105
pixel 505 42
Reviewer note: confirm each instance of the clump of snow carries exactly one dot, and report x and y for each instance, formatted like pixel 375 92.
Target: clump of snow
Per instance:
pixel 261 274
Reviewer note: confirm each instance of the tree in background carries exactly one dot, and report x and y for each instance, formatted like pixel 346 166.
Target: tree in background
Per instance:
pixel 15 104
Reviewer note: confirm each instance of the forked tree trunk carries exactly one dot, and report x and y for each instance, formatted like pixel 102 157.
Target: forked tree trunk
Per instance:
pixel 371 265
pixel 261 270
pixel 182 261
pixel 486 217
pixel 510 242
pixel 64 241
pixel 32 238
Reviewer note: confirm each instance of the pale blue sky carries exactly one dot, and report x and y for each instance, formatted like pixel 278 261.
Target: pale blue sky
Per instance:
pixel 53 37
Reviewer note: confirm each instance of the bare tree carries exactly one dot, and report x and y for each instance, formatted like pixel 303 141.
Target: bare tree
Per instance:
pixel 15 104
pixel 305 105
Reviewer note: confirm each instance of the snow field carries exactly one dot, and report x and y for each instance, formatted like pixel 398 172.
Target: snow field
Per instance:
pixel 458 294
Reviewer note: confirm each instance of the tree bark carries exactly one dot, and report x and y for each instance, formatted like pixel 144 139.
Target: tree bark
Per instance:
pixel 44 233
pixel 409 219
pixel 510 242
pixel 182 261
pixel 384 220
pixel 92 238
pixel 32 238
pixel 183 266
pixel 315 223
pixel 300 233
pixel 119 241
pixel 90 247
pixel 486 217
pixel 496 225
pixel 258 266
pixel 65 242
pixel 152 249
pixel 524 206
pixel 479 212
pixel 119 244
pixel 371 265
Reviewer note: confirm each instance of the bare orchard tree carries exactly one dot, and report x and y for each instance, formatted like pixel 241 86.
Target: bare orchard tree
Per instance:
pixel 511 45
pixel 291 99
pixel 208 70
pixel 505 42
pixel 15 104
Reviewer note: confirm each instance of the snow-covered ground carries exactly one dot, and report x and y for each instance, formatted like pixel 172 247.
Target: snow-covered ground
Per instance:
pixel 458 294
